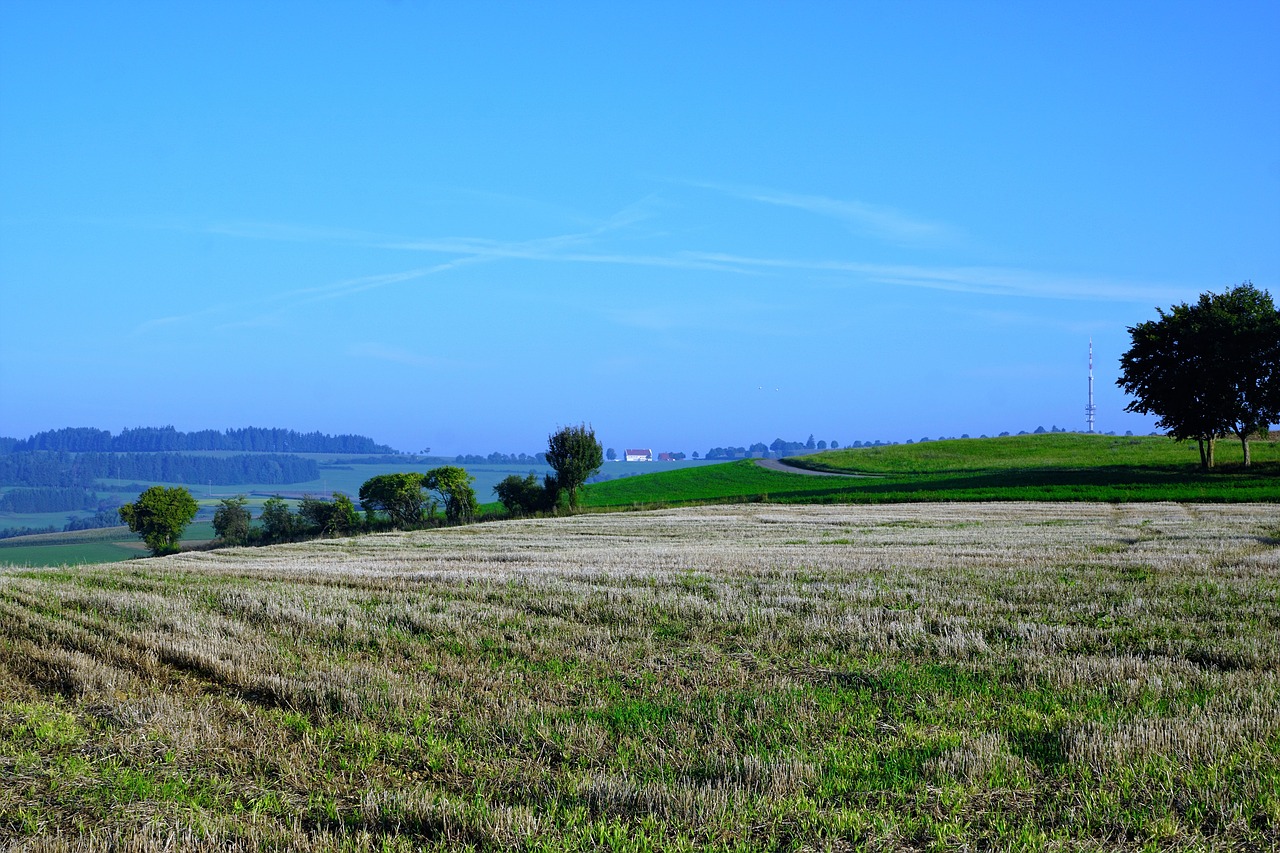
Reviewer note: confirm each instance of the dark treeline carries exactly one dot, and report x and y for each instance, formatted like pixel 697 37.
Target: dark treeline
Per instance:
pixel 501 459
pixel 168 439
pixel 779 447
pixel 102 518
pixel 109 517
pixel 729 453
pixel 385 459
pixel 80 470
pixel 15 532
pixel 47 500
pixel 51 470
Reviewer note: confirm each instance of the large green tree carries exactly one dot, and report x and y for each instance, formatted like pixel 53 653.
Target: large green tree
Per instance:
pixel 398 495
pixel 452 486
pixel 574 454
pixel 1241 333
pixel 1209 368
pixel 159 516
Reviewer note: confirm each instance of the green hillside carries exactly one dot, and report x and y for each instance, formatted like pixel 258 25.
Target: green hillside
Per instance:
pixel 1047 450
pixel 1048 467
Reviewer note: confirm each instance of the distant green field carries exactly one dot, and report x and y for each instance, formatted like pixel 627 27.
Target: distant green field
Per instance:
pixel 110 545
pixel 75 554
pixel 37 520
pixel 1050 467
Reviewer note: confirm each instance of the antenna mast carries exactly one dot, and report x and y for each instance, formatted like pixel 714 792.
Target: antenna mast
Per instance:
pixel 1090 410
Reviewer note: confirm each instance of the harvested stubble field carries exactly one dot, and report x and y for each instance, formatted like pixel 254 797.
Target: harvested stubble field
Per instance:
pixel 903 677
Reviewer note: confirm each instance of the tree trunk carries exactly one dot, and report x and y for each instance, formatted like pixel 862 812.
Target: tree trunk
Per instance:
pixel 1210 465
pixel 1204 460
pixel 1244 442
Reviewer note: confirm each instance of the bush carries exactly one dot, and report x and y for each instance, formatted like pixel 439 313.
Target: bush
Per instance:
pixel 231 521
pixel 398 495
pixel 337 517
pixel 522 495
pixel 278 524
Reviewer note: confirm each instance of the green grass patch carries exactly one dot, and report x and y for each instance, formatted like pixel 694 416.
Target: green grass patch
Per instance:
pixel 1050 467
pixel 1051 451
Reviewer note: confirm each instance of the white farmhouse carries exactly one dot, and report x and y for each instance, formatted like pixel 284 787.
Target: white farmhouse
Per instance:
pixel 639 455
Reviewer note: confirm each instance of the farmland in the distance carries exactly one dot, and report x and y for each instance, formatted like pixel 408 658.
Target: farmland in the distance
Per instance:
pixel 1050 467
pixel 338 474
pixel 1037 676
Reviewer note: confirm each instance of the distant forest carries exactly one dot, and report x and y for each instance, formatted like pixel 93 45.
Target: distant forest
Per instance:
pixel 64 470
pixel 47 500
pixel 168 439
pixel 80 470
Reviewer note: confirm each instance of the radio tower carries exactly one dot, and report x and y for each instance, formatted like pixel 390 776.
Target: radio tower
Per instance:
pixel 1090 410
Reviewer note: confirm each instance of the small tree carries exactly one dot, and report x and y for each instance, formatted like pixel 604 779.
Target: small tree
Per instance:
pixel 231 521
pixel 337 517
pixel 398 495
pixel 278 523
pixel 521 495
pixel 159 516
pixel 345 518
pixel 611 454
pixel 453 486
pixel 574 454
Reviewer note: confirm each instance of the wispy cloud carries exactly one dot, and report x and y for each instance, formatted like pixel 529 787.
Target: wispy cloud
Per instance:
pixel 597 245
pixel 982 280
pixel 395 355
pixel 157 323
pixel 268 310
pixel 292 232
pixel 871 220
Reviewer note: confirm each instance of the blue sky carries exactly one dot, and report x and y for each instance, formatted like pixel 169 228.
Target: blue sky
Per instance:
pixel 460 225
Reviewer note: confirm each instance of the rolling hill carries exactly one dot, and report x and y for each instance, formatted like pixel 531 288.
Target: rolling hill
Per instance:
pixel 1048 467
